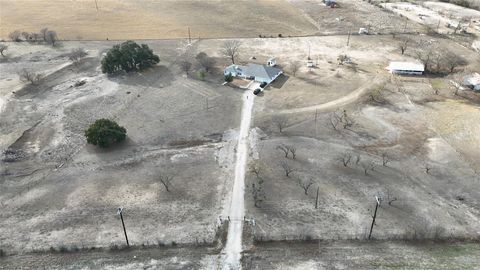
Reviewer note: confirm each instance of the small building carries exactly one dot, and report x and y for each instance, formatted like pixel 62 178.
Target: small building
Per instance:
pixel 272 62
pixel 256 72
pixel 409 68
pixel 472 81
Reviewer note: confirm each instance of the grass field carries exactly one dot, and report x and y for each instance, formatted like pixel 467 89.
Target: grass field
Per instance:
pixel 148 19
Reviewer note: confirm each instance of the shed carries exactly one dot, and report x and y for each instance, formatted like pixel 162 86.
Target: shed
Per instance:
pixel 272 62
pixel 410 68
pixel 472 81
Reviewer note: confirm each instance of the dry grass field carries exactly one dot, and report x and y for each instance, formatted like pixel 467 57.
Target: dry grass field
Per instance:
pixel 148 19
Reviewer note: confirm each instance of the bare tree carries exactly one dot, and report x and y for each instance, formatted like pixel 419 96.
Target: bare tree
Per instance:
pixel 166 180
pixel 15 36
pixel 346 120
pixel 427 168
pixel 205 61
pixel 404 43
pixel 77 54
pixel 51 37
pixel 357 159
pixel 258 192
pixel 284 149
pixel 335 119
pixel 390 198
pixel 26 36
pixel 287 168
pixel 425 52
pixel 280 121
pixel 367 166
pixel 256 168
pixel 345 158
pixel 29 76
pixel 344 59
pixel 376 94
pixel 3 48
pixel 43 33
pixel 231 49
pixel 305 184
pixel 293 150
pixel 294 67
pixel 185 65
pixel 453 60
pixel 385 159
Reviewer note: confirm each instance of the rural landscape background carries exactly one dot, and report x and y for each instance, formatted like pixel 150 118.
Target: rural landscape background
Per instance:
pixel 213 176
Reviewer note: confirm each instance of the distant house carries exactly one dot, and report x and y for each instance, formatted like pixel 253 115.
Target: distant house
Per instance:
pixel 472 81
pixel 409 68
pixel 256 72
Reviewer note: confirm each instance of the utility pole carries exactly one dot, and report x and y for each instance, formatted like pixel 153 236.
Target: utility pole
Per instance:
pixel 348 39
pixel 189 38
pixel 374 215
pixel 316 199
pixel 119 212
pixel 309 51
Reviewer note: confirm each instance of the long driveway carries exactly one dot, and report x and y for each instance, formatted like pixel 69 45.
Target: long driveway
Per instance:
pixel 233 249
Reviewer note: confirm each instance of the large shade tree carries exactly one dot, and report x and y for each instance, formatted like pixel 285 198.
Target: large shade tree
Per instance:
pixel 129 56
pixel 105 132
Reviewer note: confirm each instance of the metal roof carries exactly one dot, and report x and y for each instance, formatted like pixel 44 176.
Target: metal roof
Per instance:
pixel 412 66
pixel 262 71
pixel 473 79
pixel 255 70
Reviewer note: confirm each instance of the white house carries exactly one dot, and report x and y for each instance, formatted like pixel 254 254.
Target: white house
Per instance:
pixel 256 72
pixel 410 68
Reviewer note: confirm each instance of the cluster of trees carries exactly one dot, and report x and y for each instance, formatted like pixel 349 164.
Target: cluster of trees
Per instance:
pixel 129 56
pixel 435 58
pixel 28 76
pixel 203 63
pixel 464 3
pixel 44 36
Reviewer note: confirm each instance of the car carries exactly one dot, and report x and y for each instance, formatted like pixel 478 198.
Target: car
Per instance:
pixel 263 84
pixel 257 91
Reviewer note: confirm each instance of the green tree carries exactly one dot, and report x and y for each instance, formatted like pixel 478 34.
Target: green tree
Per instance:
pixel 228 77
pixel 129 56
pixel 104 132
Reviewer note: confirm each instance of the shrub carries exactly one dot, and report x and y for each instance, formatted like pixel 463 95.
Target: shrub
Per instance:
pixel 129 56
pixel 105 132
pixel 228 77
pixel 201 75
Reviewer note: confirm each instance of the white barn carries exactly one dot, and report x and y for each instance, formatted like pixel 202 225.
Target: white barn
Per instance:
pixel 409 68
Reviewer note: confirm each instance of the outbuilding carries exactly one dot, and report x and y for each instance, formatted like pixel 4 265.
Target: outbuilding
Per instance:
pixel 409 68
pixel 472 81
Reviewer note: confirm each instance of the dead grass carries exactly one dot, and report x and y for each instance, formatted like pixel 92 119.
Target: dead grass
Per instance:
pixel 153 19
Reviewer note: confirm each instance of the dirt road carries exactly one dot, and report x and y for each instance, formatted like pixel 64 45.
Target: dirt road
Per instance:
pixel 352 97
pixel 232 252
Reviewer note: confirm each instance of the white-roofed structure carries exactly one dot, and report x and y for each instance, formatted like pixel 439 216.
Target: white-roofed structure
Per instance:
pixel 410 68
pixel 472 81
